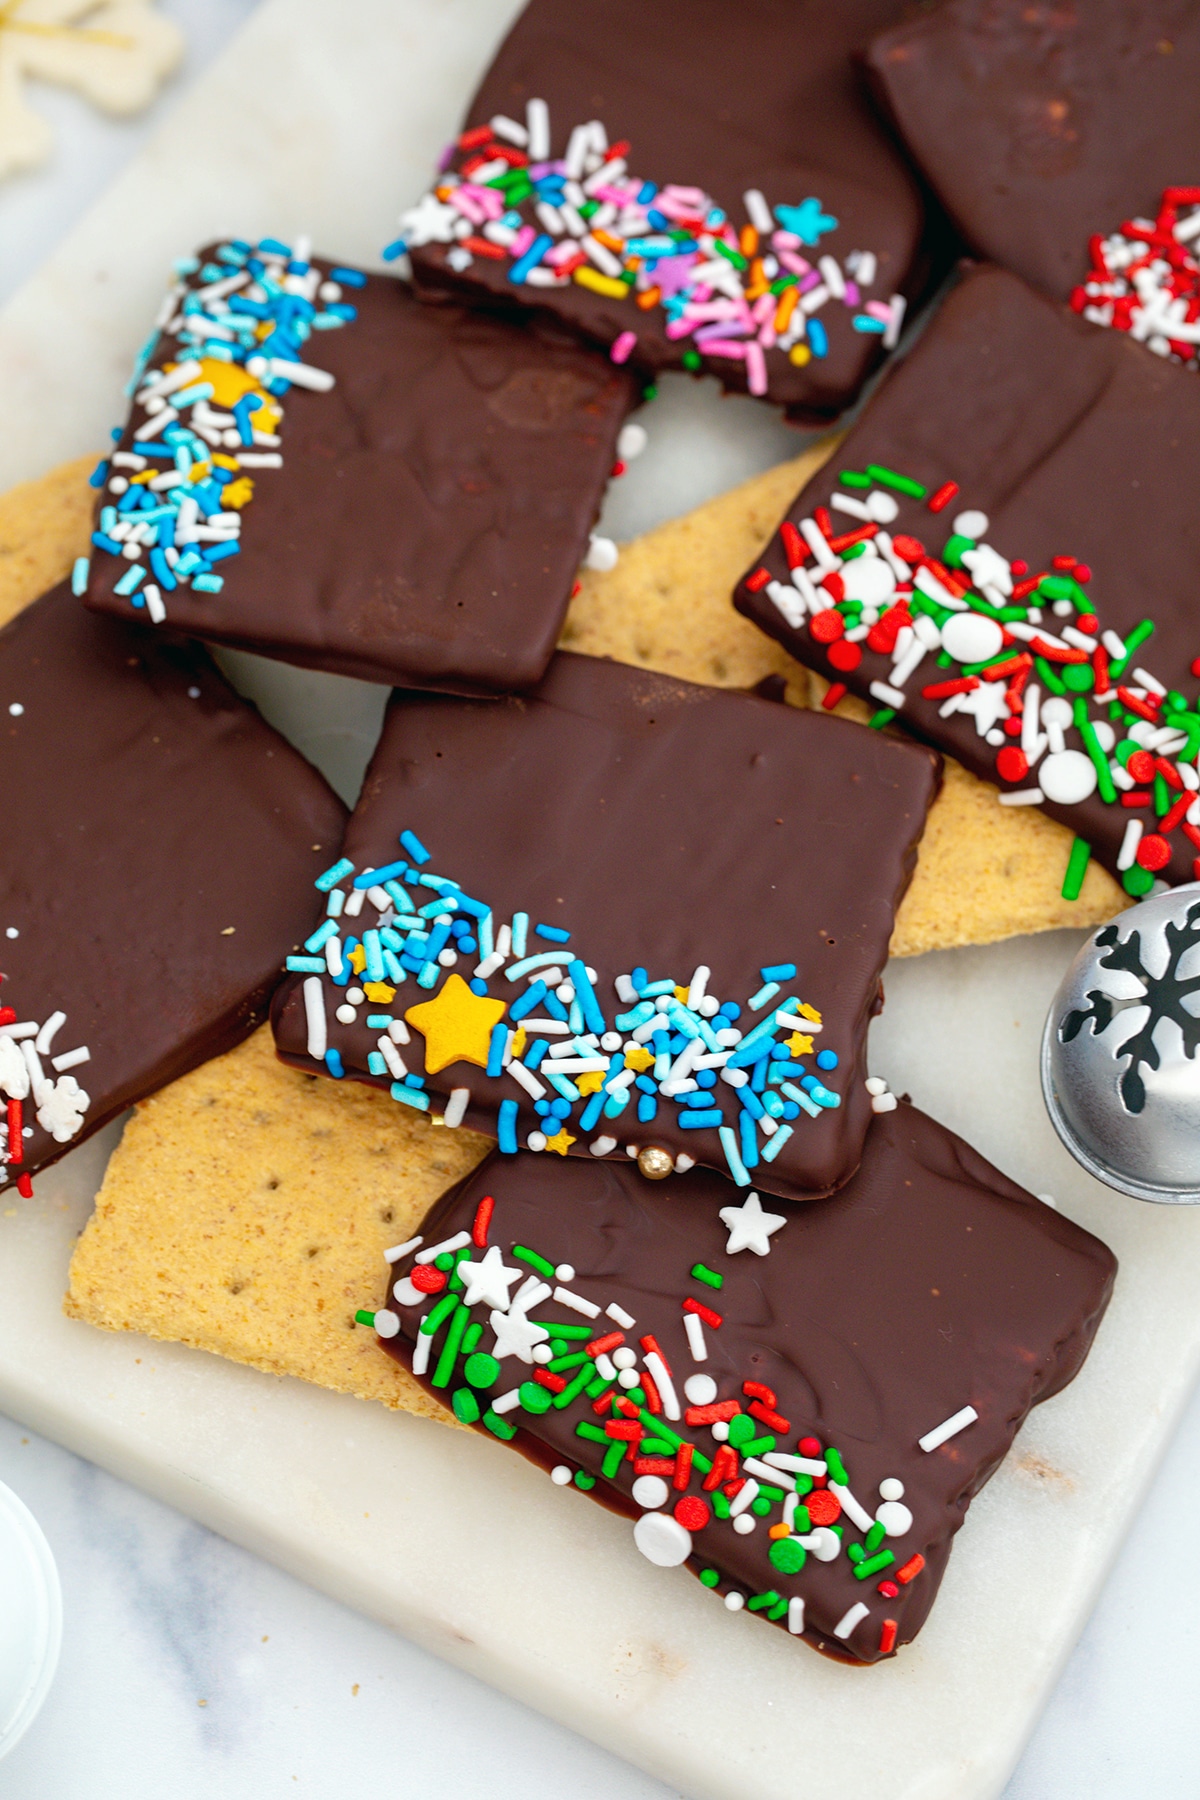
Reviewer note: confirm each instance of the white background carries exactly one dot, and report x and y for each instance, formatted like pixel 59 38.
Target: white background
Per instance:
pixel 194 1669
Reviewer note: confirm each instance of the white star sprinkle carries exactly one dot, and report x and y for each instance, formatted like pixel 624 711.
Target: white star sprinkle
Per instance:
pixel 749 1226
pixel 488 1281
pixel 515 1335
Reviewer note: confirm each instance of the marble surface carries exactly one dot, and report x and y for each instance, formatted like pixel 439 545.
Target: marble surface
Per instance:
pixel 162 1616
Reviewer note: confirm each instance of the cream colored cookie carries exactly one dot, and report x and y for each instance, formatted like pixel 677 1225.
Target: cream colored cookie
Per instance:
pixel 246 1211
pixel 44 526
pixel 984 871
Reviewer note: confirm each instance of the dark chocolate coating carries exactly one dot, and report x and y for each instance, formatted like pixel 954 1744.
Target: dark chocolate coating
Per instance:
pixel 664 825
pixel 433 507
pixel 159 853
pixel 764 94
pixel 1073 442
pixel 931 1282
pixel 1038 125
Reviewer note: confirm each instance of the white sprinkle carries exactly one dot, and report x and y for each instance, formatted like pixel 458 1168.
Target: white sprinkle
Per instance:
pixel 795 1615
pixel 345 1015
pixel 506 1402
pixel 526 1079
pixel 662 1381
pixel 456 1106
pixel 650 1491
pixel 620 1317
pixel 445 1248
pixel 512 133
pixel 817 542
pixel 1149 681
pixel 387 1325
pixel 898 306
pixel 15 709
pixel 421 1352
pixel 560 1475
pixel 744 1497
pixel 832 276
pixel 683 1163
pixel 701 1390
pixel 631 441
pixel 662 1540
pixel 11 931
pixel 45 1036
pixel 798 1465
pixel 602 553
pixel 884 1103
pixel 26 1029
pixel 70 1059
pixel 1112 643
pixel 391 1057
pixel 796 1022
pixel 406 1293
pixel 734 1601
pixel 757 211
pixel 851 1507
pixel 536 1141
pixel 399 1250
pixel 875 1085
pixel 1022 797
pixel 602 1146
pixel 849 1620
pixel 303 375
pixel 314 1011
pixel 626 992
pixel 537 129
pixel 889 695
pixel 948 1428
pixel 1129 843
pixel 398 1032
pixel 694 1327
pixel 744 1523
pixel 576 1302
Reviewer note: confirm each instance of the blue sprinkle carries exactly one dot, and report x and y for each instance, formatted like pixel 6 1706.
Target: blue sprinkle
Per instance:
pixel 376 877
pixel 865 323
pixel 757 1001
pixel 535 1053
pixel 132 578
pixel 333 1062
pixel 409 1096
pixel 534 994
pixel 79 575
pixel 801 1098
pixel 790 1110
pixel 637 982
pixel 554 934
pixel 414 1081
pixel 650 990
pixel 778 972
pixel 305 965
pixel 102 542
pixel 541 1108
pixel 399 898
pixel 393 250
pixel 736 1166
pixel 506 1128
pixel 219 552
pixel 163 572
pixel 647 1108
pixel 207 584
pixel 429 975
pixel 378 1021
pixel 751 1101
pixel 496 1045
pixel 531 258
pixel 827 1059
pixel 749 1135
pixel 411 842
pixel 349 277
pixel 706 1078
pixel 560 1109
pixel 593 1109
pixel 99 474
pixel 375 1063
pixel 818 341
pixel 321 936
pixel 779 1053
pixel 702 1121
pixel 771 1151
pixel 476 986
pixel 468 946
pixel 731 1011
pixel 585 994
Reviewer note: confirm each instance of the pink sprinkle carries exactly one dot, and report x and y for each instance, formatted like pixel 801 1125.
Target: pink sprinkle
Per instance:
pixel 878 310
pixel 796 264
pixel 852 294
pixel 763 308
pixel 681 328
pixel 521 242
pixel 785 240
pixel 756 369
pixel 468 205
pixel 622 347
pixel 729 347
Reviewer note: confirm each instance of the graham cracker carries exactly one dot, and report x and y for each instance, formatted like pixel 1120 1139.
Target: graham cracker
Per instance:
pixel 246 1211
pixel 44 526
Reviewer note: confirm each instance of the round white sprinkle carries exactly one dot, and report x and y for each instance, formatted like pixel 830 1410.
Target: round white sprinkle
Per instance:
pixel 542 1353
pixel 447 957
pixel 744 1524
pixel 118 484
pixel 710 1006
pixel 16 709
pixel 345 1015
pixel 970 638
pixel 650 1491
pixel 405 1294
pixel 560 1475
pixel 1067 777
pixel 602 554
pixel 11 931
pixel 1106 737
pixel 631 441
pixel 828 1546
pixel 1057 711
pixel 701 1390
pixel 662 1540
pixel 565 991
pixel 193 693
pixel 612 1040
pixel 882 507
pixel 895 1518
pixel 734 1601
pixel 355 996
pixel 720 1431
pixel 628 1378
pixel 565 1272
pixel 869 579
pixel 996 738
pixel 1063 609
pixel 386 1324
pixel 536 1140
pixel 890 1488
pixel 624 1358
pixel 971 524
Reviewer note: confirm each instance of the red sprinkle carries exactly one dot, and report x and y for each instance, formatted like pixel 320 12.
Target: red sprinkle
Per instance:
pixel 653 1403
pixel 1192 833
pixel 1168 771
pixel 824 1508
pixel 1145 709
pixel 794 546
pixel 1141 765
pixel 942 497
pixel 428 1280
pixel 25 1186
pixel 1027 586
pixel 912 1568
pixel 683 1466
pixel 653 1465
pixel 826 627
pixel 555 1383
pixel 612 1341
pixel 756 582
pixel 1012 764
pixel 692 1513
pixel 769 1417
pixel 838 544
pixel 1058 653
pixel 942 690
pixel 824 521
pixel 888 1589
pixel 7 1015
pixel 715 1319
pixel 651 1347
pixel 758 1390
pixel 478 134
pixel 908 549
pixel 1154 852
pixel 1194 665
pixel 1141 798
pixel 482 246
pixel 483 1218
pixel 834 692
pixel 724 1466
pixel 618 468
pixel 1175 816
pixel 887 1637
pixel 834 586
pixel 809 1446
pixel 843 656
pixel 16 1140
pixel 622 1428
pixel 709 1415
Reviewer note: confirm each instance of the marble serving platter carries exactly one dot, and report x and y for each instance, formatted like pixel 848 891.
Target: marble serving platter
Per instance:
pixel 326 120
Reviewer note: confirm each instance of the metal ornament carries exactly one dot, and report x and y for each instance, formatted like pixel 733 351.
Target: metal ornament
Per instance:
pixel 1120 1062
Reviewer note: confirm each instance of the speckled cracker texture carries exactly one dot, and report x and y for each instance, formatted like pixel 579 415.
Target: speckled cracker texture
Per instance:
pixel 984 871
pixel 246 1211
pixel 44 526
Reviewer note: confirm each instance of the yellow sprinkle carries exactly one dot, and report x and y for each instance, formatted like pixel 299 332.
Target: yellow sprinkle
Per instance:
pixel 798 1044
pixel 602 284
pixel 358 959
pixel 200 471
pixel 518 1043
pixel 560 1143
pixel 238 493
pixel 225 462
pixel 374 990
pixel 146 475
pixel 809 1012
pixel 681 995
pixel 799 354
pixel 638 1057
pixel 591 1083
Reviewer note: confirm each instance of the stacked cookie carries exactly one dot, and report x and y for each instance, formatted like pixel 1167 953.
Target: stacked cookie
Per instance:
pixel 615 931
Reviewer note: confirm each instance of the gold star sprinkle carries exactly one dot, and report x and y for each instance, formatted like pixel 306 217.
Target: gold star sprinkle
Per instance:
pixel 591 1082
pixel 799 1044
pixel 638 1057
pixel 561 1141
pixel 456 1025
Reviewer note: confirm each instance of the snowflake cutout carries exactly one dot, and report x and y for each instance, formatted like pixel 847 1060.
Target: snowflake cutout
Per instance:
pixel 61 1106
pixel 1162 997
pixel 116 53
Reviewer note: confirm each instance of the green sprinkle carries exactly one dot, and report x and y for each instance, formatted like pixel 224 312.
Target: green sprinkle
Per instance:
pixel 720 1504
pixel 364 1318
pixel 788 1555
pixel 595 1434
pixel 533 1261
pixel 1001 656
pixel 1186 721
pixel 802 1521
pixel 1162 796
pixel 1048 675
pixel 779 1609
pixel 612 1459
pixel 853 551
pixel 1078 678
pixel 576 1359
pixel 1077 864
pixel 1133 641
pixel 875 1537
pixel 1091 743
pixel 884 716
pixel 574 1388
pixel 691 359
pixel 873 1564
pixel 902 483
pixel 449 1355
pixel 709 1578
pixel 658 1429
pixel 466 1406
pixel 481 1370
pixel 760 1506
pixel 804 1485
pixel 855 478
pixel 856 1553
pixel 584 1481
pixel 598 1387
pixel 535 1398
pixel 1137 881
pixel 770 1598
pixel 709 1277
pixel 471 1338
pixel 741 1429
pixel 700 1461
pixel 567 1333
pixel 730 255
pixel 444 1307
pixel 835 1468
pixel 1174 701
pixel 956 543
pixel 1056 587
pixel 759 1446
pixel 650 393
pixel 444 1262
pixel 657 1447
pixel 498 1426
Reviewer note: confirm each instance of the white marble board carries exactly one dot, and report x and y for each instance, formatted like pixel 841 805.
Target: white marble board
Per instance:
pixel 326 123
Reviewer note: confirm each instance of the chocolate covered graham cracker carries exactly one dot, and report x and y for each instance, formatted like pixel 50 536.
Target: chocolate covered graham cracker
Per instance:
pixel 371 486
pixel 160 840
pixel 623 915
pixel 798 1402
pixel 1041 127
pixel 1003 557
pixel 704 187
